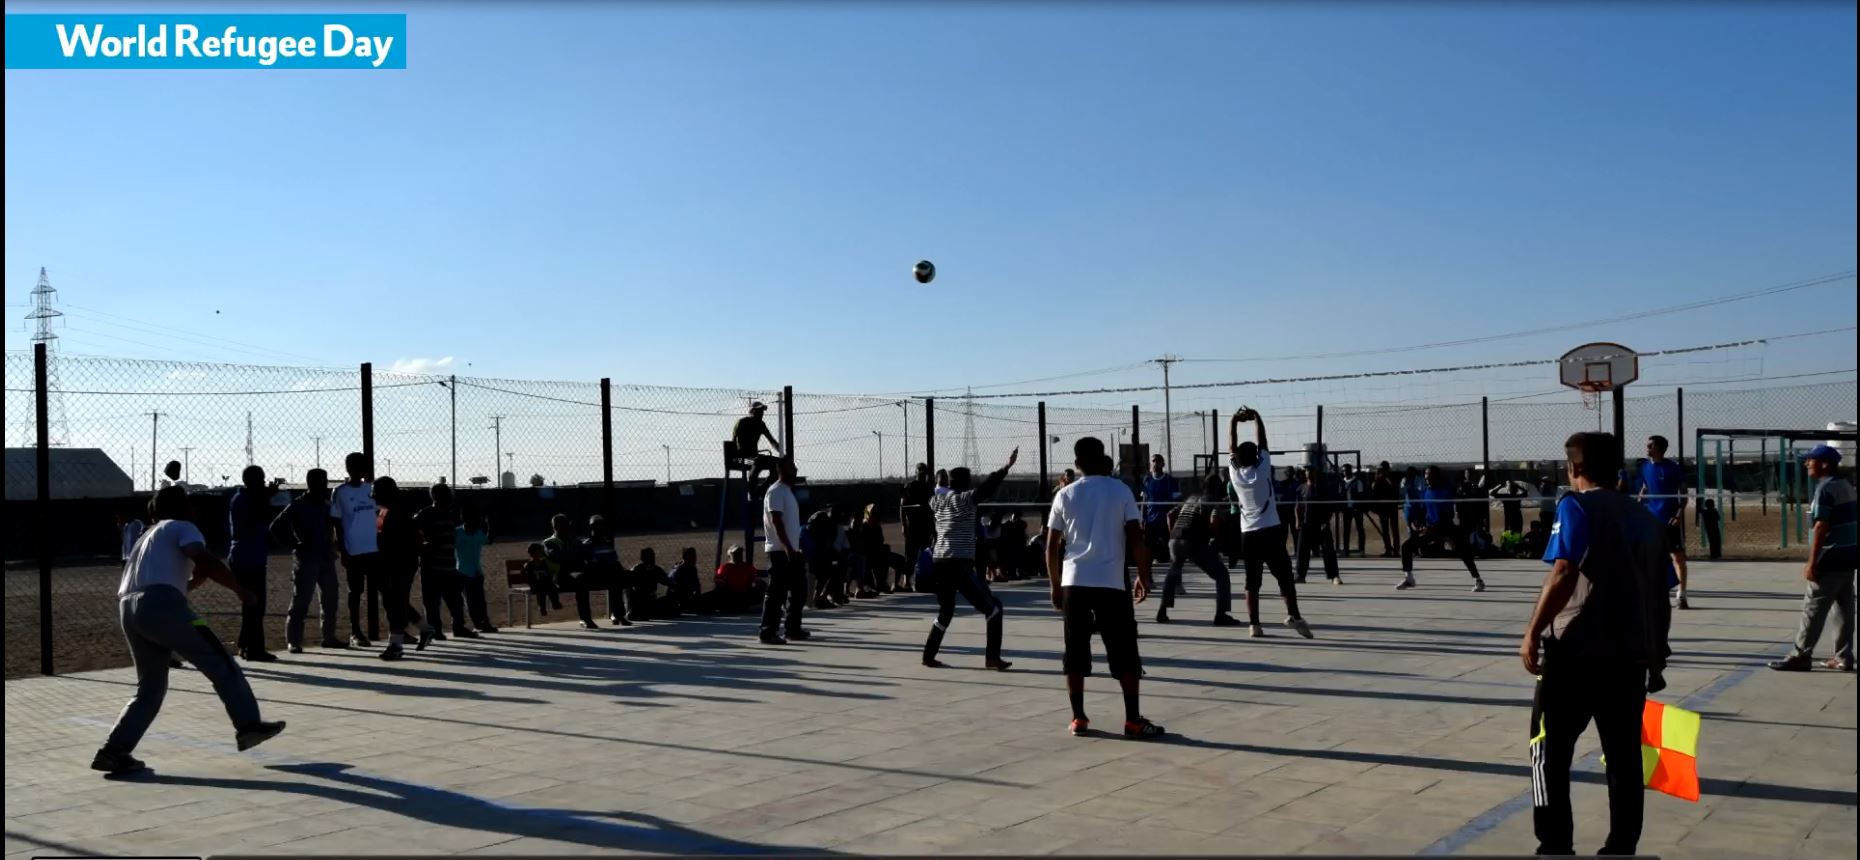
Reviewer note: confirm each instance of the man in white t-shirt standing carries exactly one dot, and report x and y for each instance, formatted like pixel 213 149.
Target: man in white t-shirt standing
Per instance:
pixel 169 561
pixel 1262 535
pixel 1093 522
pixel 781 539
pixel 352 508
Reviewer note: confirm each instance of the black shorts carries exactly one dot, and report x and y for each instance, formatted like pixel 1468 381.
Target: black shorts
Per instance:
pixel 1675 538
pixel 1107 612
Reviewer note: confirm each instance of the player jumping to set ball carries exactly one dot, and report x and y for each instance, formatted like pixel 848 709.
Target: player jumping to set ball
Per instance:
pixel 1262 536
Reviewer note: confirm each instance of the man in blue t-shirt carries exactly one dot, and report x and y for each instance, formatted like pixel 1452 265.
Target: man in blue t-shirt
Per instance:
pixel 1663 490
pixel 1432 511
pixel 1597 644
pixel 1160 495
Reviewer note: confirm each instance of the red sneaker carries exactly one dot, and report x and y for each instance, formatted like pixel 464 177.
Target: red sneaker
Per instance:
pixel 1079 727
pixel 1142 729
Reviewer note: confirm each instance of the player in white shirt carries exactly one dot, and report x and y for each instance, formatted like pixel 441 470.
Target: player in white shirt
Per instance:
pixel 781 536
pixel 170 560
pixel 1262 535
pixel 1093 522
pixel 353 511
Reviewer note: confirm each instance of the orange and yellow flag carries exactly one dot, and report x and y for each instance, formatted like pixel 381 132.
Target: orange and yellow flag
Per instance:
pixel 1669 750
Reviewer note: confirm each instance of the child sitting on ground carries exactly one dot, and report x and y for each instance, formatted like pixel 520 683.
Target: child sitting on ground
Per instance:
pixel 681 596
pixel 649 579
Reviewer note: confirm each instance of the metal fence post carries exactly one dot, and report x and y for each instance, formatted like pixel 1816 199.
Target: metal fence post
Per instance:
pixel 453 386
pixel 607 449
pixel 43 534
pixel 1136 439
pixel 368 418
pixel 1043 445
pixel 1320 430
pixel 930 433
pixel 1485 433
pixel 787 419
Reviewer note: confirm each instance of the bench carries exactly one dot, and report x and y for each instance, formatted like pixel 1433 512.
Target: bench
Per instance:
pixel 517 584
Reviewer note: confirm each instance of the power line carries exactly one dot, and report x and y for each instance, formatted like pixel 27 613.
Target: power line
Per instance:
pixel 1335 377
pixel 1792 286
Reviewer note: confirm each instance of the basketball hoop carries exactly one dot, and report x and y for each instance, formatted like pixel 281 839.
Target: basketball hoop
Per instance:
pixel 1592 392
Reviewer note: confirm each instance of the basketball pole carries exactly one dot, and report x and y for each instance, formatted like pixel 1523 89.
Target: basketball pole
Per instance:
pixel 1620 392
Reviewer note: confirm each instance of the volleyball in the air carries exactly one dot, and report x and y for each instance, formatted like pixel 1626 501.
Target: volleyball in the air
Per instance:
pixel 924 271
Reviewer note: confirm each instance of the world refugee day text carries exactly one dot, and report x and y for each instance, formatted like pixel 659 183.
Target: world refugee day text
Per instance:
pixel 338 41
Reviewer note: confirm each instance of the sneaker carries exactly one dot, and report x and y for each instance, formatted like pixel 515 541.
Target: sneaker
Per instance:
pixel 294 648
pixel 1406 583
pixel 1478 585
pixel 392 652
pixel 1162 616
pixel 334 643
pixel 437 636
pixel 1142 729
pixel 1259 631
pixel 1299 625
pixel 258 733
pixel 772 639
pixel 1793 664
pixel 486 628
pixel 1079 727
pixel 426 638
pixel 996 665
pixel 176 663
pixel 258 656
pixel 1336 581
pixel 934 663
pixel 802 635
pixel 589 625
pixel 1225 620
pixel 622 622
pixel 357 640
pixel 1838 665
pixel 1299 580
pixel 116 763
pixel 1682 602
pixel 465 634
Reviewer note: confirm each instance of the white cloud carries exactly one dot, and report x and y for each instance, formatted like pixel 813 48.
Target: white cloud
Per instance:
pixel 421 365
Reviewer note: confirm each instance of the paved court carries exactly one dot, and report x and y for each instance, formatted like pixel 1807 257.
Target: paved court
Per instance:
pixel 1401 729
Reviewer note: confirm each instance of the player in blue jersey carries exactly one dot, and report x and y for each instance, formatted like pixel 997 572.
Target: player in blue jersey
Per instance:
pixel 1662 490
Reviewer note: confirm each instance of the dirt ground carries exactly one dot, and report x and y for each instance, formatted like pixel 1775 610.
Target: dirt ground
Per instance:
pixel 86 634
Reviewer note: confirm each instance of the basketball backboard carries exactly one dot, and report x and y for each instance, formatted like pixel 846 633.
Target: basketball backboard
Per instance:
pixel 1597 367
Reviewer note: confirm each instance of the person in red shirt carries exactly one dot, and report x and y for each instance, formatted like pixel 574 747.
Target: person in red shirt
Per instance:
pixel 739 586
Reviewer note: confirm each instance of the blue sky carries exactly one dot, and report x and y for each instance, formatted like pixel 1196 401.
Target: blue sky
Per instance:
pixel 578 190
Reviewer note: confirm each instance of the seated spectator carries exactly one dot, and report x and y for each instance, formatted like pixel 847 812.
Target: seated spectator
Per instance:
pixel 857 574
pixel 542 579
pixel 821 535
pixel 739 586
pixel 1536 540
pixel 568 567
pixel 649 580
pixel 685 586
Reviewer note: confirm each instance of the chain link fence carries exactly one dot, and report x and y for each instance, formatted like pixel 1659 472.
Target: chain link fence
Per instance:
pixel 652 459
